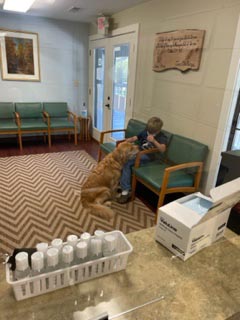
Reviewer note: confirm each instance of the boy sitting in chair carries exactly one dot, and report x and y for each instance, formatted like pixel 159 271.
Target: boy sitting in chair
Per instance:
pixel 151 137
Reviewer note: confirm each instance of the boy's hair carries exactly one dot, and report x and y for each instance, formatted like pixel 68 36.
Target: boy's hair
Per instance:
pixel 154 125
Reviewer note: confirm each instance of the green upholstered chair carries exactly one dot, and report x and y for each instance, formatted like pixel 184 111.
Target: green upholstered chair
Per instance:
pixel 133 128
pixel 8 123
pixel 61 119
pixel 31 119
pixel 180 172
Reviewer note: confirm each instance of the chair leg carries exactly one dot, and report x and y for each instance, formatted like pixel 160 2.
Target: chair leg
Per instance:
pixel 20 141
pixel 99 154
pixel 156 216
pixel 75 136
pixel 49 139
pixel 161 199
pixel 134 183
pixel 44 137
pixel 160 204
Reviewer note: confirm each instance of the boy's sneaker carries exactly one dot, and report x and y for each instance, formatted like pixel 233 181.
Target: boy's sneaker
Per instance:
pixel 124 198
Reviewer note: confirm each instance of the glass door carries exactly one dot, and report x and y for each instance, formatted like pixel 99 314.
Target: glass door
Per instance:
pixel 119 93
pixel 112 77
pixel 98 88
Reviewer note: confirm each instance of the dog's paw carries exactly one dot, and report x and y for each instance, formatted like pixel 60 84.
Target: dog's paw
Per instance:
pixel 109 216
pixel 108 203
pixel 106 215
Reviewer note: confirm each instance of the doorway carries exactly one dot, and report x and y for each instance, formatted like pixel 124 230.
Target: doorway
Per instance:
pixel 112 66
pixel 234 137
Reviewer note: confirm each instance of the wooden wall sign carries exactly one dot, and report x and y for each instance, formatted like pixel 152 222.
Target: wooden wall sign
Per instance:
pixel 179 49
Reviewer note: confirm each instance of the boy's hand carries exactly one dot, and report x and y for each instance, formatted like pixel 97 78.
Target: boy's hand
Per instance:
pixel 150 138
pixel 161 147
pixel 132 139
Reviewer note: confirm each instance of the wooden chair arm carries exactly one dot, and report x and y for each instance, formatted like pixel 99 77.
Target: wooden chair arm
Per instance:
pixel 177 167
pixel 140 153
pixel 46 117
pixel 109 131
pixel 17 119
pixel 73 115
pixel 183 166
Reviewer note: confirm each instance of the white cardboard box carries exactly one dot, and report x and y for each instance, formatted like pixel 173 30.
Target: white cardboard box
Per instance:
pixel 194 222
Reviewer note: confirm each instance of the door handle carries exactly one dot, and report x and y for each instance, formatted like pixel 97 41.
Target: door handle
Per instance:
pixel 107 106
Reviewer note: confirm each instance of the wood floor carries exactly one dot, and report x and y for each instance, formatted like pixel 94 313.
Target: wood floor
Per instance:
pixel 9 147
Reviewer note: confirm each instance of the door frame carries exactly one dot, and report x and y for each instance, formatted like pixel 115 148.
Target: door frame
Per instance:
pixel 234 124
pixel 227 112
pixel 133 30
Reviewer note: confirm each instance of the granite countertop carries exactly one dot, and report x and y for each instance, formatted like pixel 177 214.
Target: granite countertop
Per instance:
pixel 206 287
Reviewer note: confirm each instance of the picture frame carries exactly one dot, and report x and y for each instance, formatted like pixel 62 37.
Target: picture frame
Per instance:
pixel 19 55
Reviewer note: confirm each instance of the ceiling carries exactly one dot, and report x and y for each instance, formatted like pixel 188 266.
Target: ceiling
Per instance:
pixel 82 10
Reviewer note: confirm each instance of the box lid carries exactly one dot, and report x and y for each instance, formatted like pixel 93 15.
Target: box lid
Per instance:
pixel 224 197
pixel 197 208
pixel 224 191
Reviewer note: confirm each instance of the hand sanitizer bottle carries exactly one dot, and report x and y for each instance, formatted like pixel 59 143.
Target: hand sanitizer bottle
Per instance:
pixel 42 247
pixel 52 259
pixel 22 266
pixel 96 248
pixel 67 256
pixel 58 243
pixel 72 240
pixel 81 252
pixel 37 260
pixel 86 237
pixel 99 234
pixel 109 245
pixel 84 110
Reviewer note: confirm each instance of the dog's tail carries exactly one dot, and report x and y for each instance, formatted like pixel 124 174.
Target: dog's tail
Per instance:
pixel 101 211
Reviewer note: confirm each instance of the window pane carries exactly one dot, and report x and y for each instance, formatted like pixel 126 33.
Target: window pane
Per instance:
pixel 238 122
pixel 99 87
pixel 120 83
pixel 236 140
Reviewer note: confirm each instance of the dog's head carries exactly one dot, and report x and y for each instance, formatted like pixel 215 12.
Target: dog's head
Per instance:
pixel 125 151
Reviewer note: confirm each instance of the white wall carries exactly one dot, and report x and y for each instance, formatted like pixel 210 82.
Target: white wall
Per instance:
pixel 189 103
pixel 63 62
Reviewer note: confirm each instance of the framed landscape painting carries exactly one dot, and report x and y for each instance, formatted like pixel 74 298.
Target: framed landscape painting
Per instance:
pixel 19 55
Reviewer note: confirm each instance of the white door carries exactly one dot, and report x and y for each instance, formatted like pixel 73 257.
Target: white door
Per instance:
pixel 112 80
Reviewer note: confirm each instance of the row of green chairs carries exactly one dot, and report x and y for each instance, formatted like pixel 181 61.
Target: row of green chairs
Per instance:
pixel 35 117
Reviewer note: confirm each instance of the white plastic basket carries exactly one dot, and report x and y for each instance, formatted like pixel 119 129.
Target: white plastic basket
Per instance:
pixel 43 283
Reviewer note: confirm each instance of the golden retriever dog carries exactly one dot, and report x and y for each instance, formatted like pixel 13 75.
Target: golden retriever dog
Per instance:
pixel 101 185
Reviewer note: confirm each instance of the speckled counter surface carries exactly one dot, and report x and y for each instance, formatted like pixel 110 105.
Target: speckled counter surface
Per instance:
pixel 206 287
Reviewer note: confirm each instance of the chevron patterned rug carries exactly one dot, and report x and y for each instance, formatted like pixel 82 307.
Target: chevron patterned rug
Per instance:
pixel 39 200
